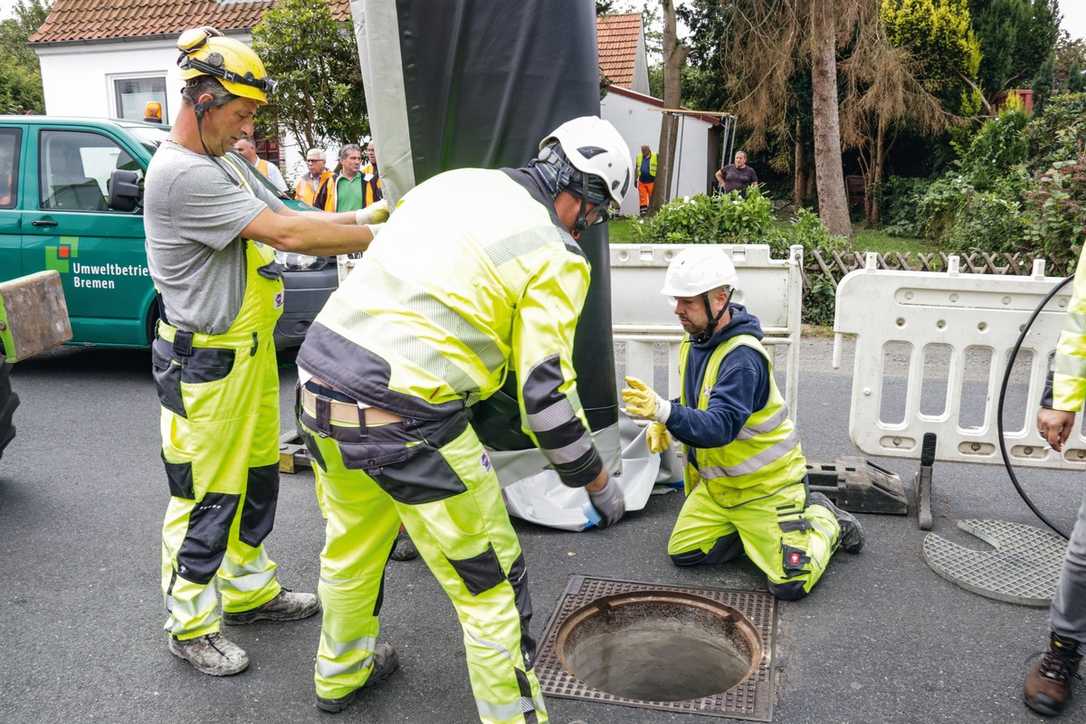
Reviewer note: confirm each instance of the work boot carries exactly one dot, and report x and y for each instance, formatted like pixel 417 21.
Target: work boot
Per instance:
pixel 385 662
pixel 287 606
pixel 404 549
pixel 1048 683
pixel 212 654
pixel 852 533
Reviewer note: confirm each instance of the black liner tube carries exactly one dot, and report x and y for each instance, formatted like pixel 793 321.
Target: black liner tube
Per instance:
pixel 999 408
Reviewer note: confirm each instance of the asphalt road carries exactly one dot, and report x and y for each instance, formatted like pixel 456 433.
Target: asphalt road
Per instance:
pixel 82 493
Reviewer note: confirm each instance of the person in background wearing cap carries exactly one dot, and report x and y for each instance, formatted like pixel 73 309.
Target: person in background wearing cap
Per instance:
pixel 477 274
pixel 746 476
pixel 211 229
pixel 317 186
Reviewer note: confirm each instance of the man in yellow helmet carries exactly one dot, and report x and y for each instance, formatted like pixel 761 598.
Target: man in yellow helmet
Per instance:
pixel 211 229
pixel 745 477
pixel 431 321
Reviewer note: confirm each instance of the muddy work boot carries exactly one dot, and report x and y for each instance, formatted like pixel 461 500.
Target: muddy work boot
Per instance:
pixel 287 606
pixel 385 663
pixel 212 654
pixel 852 533
pixel 403 549
pixel 1048 683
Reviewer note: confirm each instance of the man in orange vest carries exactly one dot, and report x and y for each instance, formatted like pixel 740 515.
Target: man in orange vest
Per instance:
pixel 371 178
pixel 269 171
pixel 317 188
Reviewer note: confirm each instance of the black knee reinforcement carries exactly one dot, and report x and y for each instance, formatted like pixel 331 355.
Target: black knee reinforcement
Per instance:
pixel 790 591
pixel 725 549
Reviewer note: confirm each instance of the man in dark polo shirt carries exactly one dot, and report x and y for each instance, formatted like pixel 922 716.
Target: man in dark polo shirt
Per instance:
pixel 736 176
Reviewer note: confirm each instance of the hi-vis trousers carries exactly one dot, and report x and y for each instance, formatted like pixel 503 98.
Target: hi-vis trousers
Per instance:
pixel 435 477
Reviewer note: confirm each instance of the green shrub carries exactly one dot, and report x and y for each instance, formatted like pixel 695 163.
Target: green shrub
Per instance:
pixel 1059 133
pixel 899 198
pixel 999 145
pixel 1056 214
pixel 721 219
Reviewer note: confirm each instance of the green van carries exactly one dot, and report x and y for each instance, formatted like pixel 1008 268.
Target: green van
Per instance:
pixel 57 212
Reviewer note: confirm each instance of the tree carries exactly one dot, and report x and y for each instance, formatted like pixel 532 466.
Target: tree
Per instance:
pixel 315 59
pixel 1016 37
pixel 674 57
pixel 1069 73
pixel 20 72
pixel 829 174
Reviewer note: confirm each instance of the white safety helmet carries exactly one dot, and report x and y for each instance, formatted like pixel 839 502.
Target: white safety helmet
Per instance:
pixel 699 269
pixel 595 148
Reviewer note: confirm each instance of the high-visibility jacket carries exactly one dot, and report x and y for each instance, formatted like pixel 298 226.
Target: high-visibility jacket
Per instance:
pixel 325 187
pixel 764 457
pixel 371 184
pixel 652 164
pixel 1069 365
pixel 471 277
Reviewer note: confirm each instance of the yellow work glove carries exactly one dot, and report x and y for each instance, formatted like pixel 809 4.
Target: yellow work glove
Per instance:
pixel 642 402
pixel 658 438
pixel 375 213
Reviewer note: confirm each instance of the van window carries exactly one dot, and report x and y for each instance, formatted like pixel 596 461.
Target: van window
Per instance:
pixel 10 143
pixel 75 169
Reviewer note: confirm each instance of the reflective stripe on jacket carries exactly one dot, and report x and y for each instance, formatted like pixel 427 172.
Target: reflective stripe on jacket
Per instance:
pixel 1069 365
pixel 471 278
pixel 764 457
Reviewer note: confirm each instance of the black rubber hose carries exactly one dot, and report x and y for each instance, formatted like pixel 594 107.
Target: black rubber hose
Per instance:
pixel 1003 394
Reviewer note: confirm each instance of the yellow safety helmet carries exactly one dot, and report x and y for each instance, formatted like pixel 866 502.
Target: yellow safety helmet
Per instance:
pixel 205 51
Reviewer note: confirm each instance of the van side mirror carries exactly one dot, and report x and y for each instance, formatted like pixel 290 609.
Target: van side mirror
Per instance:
pixel 125 190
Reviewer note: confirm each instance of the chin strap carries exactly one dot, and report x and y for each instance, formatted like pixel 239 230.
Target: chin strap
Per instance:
pixel 706 334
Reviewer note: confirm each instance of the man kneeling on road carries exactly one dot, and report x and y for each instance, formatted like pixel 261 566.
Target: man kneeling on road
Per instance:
pixel 745 477
pixel 214 352
pixel 477 272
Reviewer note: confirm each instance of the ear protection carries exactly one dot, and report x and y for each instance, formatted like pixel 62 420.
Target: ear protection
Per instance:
pixel 201 109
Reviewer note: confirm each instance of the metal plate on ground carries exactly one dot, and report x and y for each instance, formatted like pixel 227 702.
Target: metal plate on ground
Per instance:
pixel 1022 566
pixel 751 699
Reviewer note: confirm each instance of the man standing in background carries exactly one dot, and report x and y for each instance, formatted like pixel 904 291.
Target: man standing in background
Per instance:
pixel 372 177
pixel 349 180
pixel 737 176
pixel 645 167
pixel 269 171
pixel 317 187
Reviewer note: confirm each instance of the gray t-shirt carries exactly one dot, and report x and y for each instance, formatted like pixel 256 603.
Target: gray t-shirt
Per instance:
pixel 192 216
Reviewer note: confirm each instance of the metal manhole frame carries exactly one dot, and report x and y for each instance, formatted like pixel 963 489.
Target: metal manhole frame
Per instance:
pixel 751 699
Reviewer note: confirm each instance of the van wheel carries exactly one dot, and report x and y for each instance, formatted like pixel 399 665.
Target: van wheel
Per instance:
pixel 8 402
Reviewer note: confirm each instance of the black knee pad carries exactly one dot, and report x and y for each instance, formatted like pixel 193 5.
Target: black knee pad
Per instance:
pixel 791 591
pixel 725 549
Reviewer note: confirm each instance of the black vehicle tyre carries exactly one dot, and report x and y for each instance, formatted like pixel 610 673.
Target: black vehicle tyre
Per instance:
pixel 8 402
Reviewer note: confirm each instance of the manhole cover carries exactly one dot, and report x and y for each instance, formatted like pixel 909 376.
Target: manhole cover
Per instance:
pixel 1023 568
pixel 673 648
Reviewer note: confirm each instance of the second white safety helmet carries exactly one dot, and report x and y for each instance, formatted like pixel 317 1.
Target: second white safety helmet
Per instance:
pixel 594 147
pixel 699 269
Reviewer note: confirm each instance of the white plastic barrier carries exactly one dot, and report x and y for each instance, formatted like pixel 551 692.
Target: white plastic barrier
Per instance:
pixel 964 318
pixel 647 333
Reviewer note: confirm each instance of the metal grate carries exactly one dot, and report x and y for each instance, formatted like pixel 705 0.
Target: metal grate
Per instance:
pixel 751 699
pixel 1023 568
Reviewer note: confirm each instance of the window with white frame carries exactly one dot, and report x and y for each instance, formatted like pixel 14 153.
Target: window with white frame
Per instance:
pixel 132 94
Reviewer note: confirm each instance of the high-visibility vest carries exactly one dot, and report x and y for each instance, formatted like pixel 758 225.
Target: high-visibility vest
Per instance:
pixel 371 185
pixel 652 164
pixel 763 458
pixel 304 191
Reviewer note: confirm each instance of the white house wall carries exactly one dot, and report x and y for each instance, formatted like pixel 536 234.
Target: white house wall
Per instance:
pixel 641 67
pixel 77 80
pixel 639 123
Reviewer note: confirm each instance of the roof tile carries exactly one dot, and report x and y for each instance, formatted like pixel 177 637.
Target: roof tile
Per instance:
pixel 617 37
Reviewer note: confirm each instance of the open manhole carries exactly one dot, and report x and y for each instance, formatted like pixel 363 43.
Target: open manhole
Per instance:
pixel 675 648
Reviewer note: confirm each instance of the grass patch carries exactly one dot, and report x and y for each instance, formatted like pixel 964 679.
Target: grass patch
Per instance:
pixel 621 230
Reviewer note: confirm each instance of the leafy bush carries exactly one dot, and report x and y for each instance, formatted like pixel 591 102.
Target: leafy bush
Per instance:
pixel 1059 134
pixel 721 219
pixel 899 198
pixel 999 145
pixel 1056 213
